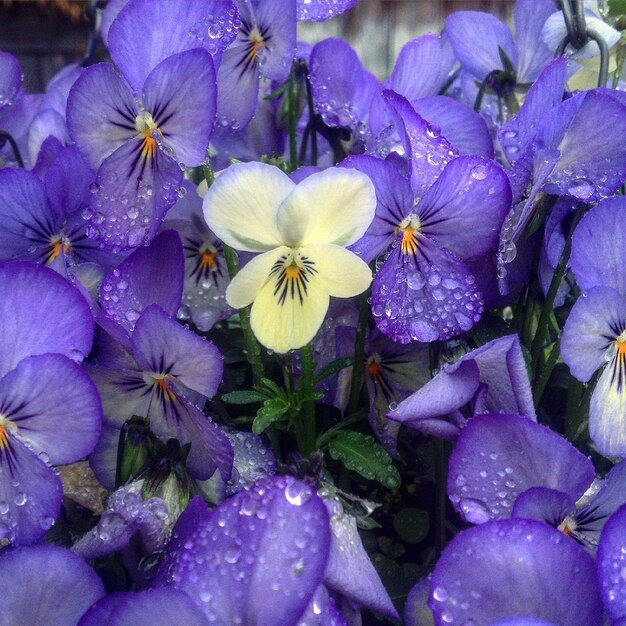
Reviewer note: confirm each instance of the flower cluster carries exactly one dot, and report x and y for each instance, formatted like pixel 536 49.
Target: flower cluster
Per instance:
pixel 287 343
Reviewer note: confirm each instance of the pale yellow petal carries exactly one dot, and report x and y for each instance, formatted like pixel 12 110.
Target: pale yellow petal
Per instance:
pixel 245 286
pixel 341 272
pixel 241 205
pixel 333 206
pixel 284 317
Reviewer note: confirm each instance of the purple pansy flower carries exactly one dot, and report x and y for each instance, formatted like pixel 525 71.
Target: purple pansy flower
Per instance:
pixel 491 379
pixel 50 412
pixel 447 210
pixel 165 373
pixel 42 221
pixel 321 10
pixel 157 113
pixel 264 47
pixel 46 586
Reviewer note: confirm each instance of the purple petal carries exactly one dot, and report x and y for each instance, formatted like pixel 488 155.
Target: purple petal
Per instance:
pixel 157 607
pixel 47 123
pixel 258 557
pixel 586 130
pixel 276 19
pixel 450 389
pixel 180 94
pixel 599 246
pixel 419 138
pixel 237 88
pixel 27 220
pixel 594 322
pixel 342 89
pixel 464 209
pixel 394 199
pixel 110 12
pixel 499 456
pixel 534 54
pixel 128 290
pixel 30 493
pixel 465 129
pixel 162 345
pixel 350 571
pixel 322 611
pixel 321 10
pixel 133 190
pixel 611 560
pixel 542 96
pixel 101 113
pixel 103 460
pixel 40 312
pixel 166 29
pixel 54 405
pixel 435 58
pixel 416 611
pixel 47 585
pixel 511 565
pixel 424 296
pixel 544 505
pixel 476 38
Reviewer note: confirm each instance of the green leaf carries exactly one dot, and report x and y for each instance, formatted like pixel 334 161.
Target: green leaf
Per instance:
pixel 244 397
pixel 272 386
pixel 411 524
pixel 272 411
pixel 615 8
pixel 360 453
pixel 332 368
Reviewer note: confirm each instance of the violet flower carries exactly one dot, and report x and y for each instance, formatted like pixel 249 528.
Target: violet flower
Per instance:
pixel 321 10
pixel 164 373
pixel 491 379
pixel 447 210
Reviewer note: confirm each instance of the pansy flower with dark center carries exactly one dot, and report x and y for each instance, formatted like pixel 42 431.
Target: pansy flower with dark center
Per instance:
pixel 435 210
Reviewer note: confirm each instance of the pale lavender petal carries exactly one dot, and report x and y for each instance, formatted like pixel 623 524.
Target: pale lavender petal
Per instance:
pixel 464 209
pixel 180 95
pixel 499 456
pixel 465 129
pixel 110 12
pixel 47 123
pixel 321 10
pixel 150 275
pixel 511 566
pixel 10 79
pixel 46 586
pixel 434 57
pixel 167 28
pixel 416 610
pixel 543 504
pixel 258 557
pixel 350 571
pixel 162 345
pixel 54 405
pixel 476 38
pixel 276 20
pixel 599 246
pixel 594 322
pixel 611 560
pixel 101 113
pixel 41 312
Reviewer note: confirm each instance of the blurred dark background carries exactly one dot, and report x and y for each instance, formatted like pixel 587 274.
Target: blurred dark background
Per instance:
pixel 46 35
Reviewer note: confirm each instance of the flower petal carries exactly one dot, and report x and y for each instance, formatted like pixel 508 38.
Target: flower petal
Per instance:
pixel 257 190
pixel 534 54
pixel 611 561
pixel 321 10
pixel 180 95
pixel 334 206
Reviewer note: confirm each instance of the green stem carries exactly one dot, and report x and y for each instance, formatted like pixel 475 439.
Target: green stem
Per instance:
pixel 304 423
pixel 546 370
pixel 544 319
pixel 292 119
pixel 573 429
pixel 359 355
pixel 329 434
